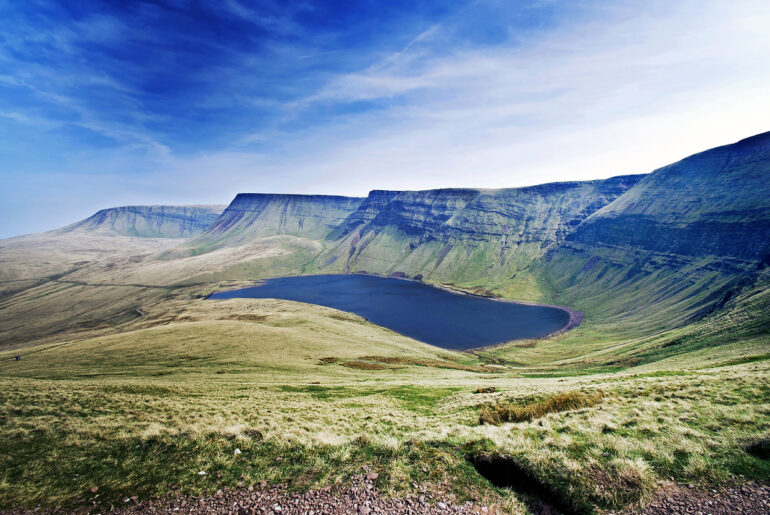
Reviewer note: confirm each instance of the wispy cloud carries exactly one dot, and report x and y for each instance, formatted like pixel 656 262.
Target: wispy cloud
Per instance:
pixel 194 105
pixel 624 90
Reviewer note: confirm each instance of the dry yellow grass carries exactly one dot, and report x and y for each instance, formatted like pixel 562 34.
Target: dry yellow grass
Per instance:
pixel 145 384
pixel 530 409
pixel 401 360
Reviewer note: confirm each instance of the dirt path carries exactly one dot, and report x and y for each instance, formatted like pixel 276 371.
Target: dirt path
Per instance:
pixel 361 497
pixel 750 498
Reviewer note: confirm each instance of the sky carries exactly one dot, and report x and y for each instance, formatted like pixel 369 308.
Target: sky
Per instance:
pixel 106 103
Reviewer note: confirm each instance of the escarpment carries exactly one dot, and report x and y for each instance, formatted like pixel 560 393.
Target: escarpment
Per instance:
pixel 257 215
pixel 464 234
pixel 150 221
pixel 662 248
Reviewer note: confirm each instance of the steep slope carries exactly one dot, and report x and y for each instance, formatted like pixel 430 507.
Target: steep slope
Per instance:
pixel 257 215
pixel 636 254
pixel 149 221
pixel 674 247
pixel 474 237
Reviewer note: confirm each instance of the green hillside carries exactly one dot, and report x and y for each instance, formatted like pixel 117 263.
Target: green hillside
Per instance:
pixel 149 221
pixel 675 247
pixel 130 382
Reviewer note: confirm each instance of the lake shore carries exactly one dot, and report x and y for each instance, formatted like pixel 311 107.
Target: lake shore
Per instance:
pixel 575 317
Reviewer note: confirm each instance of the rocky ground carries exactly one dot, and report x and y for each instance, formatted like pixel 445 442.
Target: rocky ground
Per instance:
pixel 751 498
pixel 362 497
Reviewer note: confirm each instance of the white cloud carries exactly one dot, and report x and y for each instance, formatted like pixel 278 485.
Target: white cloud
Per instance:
pixel 627 91
pixel 620 89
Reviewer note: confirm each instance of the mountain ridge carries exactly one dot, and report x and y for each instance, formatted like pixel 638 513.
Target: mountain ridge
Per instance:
pixel 637 254
pixel 150 221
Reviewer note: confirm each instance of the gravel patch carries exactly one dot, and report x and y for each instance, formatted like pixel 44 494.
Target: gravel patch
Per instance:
pixel 362 497
pixel 750 498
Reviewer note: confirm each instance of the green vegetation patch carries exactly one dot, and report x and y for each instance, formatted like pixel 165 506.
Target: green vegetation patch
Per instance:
pixel 535 407
pixel 746 359
pixel 432 363
pixel 363 365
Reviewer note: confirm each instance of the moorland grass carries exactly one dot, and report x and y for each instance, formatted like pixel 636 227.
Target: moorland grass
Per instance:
pixel 141 412
pixel 150 435
pixel 435 363
pixel 534 408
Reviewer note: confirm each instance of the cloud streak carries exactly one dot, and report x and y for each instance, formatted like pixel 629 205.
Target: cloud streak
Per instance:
pixel 165 104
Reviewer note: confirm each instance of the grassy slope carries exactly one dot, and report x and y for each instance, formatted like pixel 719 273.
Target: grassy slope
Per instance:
pixel 190 380
pixel 140 412
pixel 129 383
pixel 148 221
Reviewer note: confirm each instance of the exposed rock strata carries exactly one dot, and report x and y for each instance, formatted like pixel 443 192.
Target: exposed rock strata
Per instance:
pixel 256 215
pixel 150 221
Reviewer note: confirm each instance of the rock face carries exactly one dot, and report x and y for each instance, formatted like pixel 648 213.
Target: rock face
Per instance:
pixel 686 236
pixel 257 215
pixel 150 221
pixel 464 234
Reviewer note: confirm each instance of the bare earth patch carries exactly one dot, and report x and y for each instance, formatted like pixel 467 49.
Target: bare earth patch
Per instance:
pixel 362 497
pixel 750 498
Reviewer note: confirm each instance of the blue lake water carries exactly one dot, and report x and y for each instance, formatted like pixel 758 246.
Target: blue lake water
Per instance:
pixel 417 310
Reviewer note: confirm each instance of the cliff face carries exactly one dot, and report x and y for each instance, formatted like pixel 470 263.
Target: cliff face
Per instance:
pixel 423 213
pixel 655 250
pixel 464 235
pixel 367 211
pixel 688 235
pixel 150 221
pixel 257 215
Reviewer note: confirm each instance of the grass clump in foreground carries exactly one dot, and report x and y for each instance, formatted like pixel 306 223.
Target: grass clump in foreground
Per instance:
pixel 534 408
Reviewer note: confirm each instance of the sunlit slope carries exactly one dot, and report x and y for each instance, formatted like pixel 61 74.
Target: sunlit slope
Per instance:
pixel 252 216
pixel 675 247
pixel 150 221
pixel 136 231
pixel 264 339
pixel 109 288
pixel 485 238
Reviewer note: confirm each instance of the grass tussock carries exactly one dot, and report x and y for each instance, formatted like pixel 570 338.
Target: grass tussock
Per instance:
pixel 363 365
pixel 502 412
pixel 431 363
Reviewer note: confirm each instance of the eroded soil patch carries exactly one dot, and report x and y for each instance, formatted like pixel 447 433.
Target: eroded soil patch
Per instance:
pixel 504 471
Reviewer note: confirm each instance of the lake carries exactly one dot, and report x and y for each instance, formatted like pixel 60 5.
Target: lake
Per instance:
pixel 420 311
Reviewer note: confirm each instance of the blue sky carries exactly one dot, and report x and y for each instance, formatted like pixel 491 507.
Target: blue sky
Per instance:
pixel 107 103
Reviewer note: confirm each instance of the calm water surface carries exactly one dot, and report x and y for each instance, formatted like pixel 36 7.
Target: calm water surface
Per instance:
pixel 423 312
